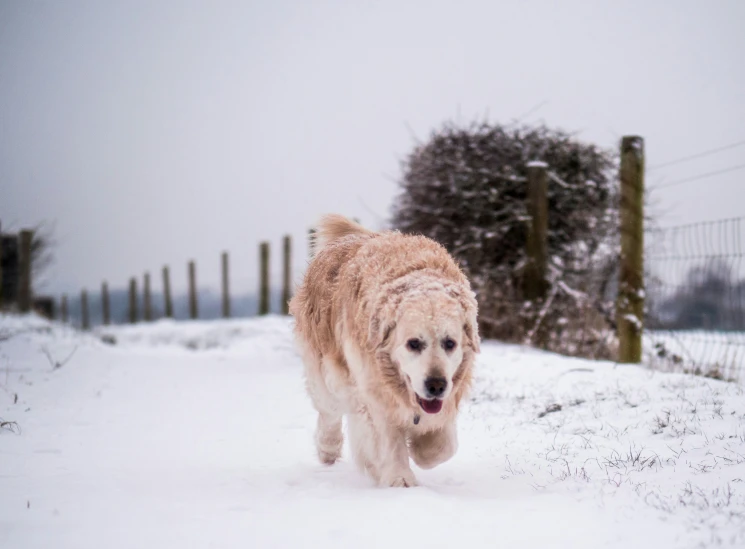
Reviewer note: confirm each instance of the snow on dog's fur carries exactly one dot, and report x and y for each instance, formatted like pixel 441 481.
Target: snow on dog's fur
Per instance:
pixel 387 327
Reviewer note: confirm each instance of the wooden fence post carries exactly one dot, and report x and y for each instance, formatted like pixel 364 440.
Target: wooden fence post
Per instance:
pixel 536 283
pixel 167 292
pixel 311 242
pixel 147 303
pixel 225 287
pixel 45 307
pixel 630 300
pixel 63 309
pixel 1 270
pixel 264 278
pixel 85 321
pixel 287 275
pixel 132 300
pixel 24 271
pixel 105 304
pixel 193 310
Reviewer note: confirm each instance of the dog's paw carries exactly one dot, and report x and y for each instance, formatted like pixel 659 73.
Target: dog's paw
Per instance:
pixel 400 481
pixel 328 458
pixel 431 449
pixel 329 442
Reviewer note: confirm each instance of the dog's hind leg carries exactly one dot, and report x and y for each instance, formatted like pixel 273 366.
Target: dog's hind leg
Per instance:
pixel 329 438
pixel 435 447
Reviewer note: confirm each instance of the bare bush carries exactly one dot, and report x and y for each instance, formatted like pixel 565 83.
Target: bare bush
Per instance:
pixel 466 187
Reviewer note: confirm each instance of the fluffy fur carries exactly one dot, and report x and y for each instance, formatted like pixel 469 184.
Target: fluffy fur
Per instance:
pixel 365 296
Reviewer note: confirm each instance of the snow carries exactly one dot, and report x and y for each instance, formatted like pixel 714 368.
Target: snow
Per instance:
pixel 710 351
pixel 537 164
pixel 556 179
pixel 633 319
pixel 199 434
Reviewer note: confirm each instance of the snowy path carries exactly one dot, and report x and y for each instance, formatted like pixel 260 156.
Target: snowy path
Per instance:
pixel 200 435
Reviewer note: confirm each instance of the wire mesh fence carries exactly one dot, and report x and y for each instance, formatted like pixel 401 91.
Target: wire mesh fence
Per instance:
pixel 695 281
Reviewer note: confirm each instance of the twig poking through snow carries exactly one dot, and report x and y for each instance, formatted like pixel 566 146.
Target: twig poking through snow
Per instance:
pixel 550 409
pixel 11 426
pixel 55 363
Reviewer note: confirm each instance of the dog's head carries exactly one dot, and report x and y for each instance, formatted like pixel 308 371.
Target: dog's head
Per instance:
pixel 430 334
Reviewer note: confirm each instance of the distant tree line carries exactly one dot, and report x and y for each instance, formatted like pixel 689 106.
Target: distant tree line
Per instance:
pixel 710 298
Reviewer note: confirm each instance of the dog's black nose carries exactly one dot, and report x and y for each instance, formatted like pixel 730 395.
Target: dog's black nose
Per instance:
pixel 435 386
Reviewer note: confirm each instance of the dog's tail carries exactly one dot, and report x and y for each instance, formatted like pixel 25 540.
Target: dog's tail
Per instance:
pixel 335 226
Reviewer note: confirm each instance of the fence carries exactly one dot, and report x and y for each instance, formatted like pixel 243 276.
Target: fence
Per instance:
pixel 679 304
pixel 696 298
pixel 139 301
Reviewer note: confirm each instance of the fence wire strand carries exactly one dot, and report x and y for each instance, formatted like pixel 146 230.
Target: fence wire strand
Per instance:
pixel 696 298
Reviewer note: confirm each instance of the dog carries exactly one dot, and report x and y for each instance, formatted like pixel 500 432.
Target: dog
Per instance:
pixel 386 324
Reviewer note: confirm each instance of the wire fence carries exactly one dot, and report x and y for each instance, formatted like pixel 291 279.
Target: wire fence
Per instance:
pixel 695 285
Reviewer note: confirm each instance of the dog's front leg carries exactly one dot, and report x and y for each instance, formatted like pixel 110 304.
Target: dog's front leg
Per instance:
pixel 395 468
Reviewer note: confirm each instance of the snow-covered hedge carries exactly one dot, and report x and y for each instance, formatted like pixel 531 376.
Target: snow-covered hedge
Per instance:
pixel 466 188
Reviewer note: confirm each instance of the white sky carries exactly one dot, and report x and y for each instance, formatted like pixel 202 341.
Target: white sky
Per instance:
pixel 154 133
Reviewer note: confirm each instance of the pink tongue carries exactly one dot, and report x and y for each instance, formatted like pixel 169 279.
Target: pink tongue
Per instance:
pixel 431 406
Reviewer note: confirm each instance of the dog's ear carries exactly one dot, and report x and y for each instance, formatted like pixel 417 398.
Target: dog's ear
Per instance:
pixel 471 329
pixel 380 331
pixel 470 306
pixel 382 322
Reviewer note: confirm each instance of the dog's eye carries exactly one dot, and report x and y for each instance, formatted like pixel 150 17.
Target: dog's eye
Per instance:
pixel 448 344
pixel 414 345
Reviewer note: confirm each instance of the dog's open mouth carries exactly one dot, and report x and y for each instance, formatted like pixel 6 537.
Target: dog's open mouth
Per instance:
pixel 430 406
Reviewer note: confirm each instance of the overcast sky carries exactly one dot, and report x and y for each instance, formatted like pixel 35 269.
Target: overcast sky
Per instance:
pixel 158 132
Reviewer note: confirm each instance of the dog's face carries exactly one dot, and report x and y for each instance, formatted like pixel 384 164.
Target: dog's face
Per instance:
pixel 428 342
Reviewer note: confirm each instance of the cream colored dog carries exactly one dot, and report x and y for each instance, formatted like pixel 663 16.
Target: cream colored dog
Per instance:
pixel 387 328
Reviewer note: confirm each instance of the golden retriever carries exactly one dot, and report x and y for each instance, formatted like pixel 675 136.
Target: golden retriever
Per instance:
pixel 386 325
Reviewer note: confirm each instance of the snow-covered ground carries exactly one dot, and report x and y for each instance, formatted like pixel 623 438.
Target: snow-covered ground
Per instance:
pixel 721 353
pixel 199 434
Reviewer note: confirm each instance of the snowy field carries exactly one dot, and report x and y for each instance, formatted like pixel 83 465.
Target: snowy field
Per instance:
pixel 199 434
